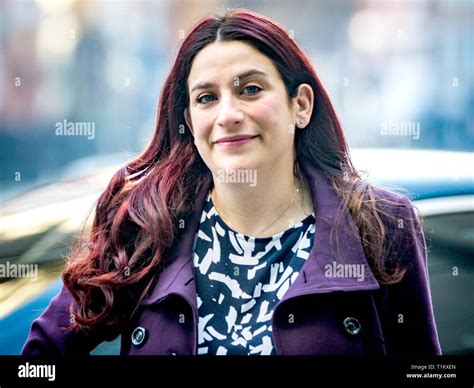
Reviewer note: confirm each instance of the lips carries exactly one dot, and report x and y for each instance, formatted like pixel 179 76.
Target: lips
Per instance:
pixel 233 139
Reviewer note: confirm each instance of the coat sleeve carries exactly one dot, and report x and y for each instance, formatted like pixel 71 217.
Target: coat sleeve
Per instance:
pixel 409 323
pixel 50 334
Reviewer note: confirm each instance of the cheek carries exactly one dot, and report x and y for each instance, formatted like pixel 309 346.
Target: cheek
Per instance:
pixel 272 115
pixel 266 111
pixel 201 125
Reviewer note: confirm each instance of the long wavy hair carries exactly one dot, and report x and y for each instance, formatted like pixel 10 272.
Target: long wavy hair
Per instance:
pixel 137 217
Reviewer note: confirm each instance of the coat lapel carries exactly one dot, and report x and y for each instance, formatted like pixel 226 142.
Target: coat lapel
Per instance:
pixel 177 277
pixel 326 269
pixel 331 255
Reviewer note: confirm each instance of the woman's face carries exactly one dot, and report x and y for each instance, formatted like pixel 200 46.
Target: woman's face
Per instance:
pixel 236 92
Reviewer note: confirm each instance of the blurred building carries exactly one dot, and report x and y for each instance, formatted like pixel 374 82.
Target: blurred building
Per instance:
pixel 399 72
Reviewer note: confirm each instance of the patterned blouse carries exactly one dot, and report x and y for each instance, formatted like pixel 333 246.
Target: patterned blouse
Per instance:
pixel 239 281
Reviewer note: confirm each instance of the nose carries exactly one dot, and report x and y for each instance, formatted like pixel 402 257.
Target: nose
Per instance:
pixel 230 114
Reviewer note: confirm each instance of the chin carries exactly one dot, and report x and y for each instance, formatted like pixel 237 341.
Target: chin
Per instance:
pixel 238 165
pixel 240 175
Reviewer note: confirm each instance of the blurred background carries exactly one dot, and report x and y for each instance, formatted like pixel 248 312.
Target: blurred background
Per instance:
pixel 400 74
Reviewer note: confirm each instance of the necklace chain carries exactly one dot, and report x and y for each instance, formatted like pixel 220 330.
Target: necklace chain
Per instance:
pixel 284 211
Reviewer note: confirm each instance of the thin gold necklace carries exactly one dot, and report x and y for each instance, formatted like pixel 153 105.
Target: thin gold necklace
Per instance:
pixel 284 211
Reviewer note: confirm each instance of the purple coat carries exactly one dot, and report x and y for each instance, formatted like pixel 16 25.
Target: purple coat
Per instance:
pixel 321 313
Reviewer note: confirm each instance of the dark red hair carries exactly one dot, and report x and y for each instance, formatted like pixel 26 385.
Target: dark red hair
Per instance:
pixel 138 217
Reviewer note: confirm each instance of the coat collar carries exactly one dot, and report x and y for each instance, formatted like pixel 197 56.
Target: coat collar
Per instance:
pixel 317 274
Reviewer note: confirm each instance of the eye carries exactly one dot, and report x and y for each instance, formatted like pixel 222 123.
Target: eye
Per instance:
pixel 200 99
pixel 253 89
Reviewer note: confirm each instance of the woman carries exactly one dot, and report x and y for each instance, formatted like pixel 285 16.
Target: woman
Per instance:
pixel 244 228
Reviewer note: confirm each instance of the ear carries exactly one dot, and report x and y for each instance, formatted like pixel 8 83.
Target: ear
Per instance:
pixel 304 102
pixel 187 118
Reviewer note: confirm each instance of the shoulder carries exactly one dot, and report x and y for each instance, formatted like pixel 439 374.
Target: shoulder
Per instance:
pixel 404 240
pixel 393 206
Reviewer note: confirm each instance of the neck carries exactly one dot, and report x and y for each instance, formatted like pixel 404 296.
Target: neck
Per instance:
pixel 266 206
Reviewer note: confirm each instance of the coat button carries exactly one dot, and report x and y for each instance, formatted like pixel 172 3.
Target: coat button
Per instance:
pixel 138 336
pixel 352 325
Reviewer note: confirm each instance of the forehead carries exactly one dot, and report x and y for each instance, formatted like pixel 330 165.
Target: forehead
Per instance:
pixel 223 60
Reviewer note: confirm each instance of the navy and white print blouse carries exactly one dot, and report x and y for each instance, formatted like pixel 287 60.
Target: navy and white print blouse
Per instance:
pixel 239 281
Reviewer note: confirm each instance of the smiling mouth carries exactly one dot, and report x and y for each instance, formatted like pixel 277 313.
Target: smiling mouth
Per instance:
pixel 235 142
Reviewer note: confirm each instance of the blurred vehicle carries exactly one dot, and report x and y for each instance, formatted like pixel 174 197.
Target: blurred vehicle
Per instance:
pixel 441 184
pixel 39 226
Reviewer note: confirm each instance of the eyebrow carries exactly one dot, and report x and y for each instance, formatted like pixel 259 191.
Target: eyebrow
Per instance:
pixel 241 76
